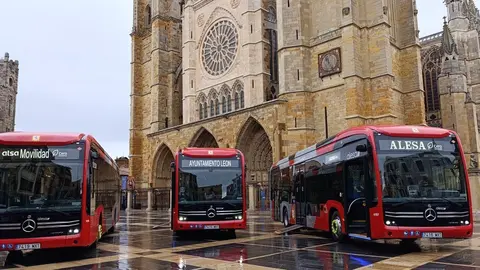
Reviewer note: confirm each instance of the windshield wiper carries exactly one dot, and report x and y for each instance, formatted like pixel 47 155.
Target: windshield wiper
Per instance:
pixel 58 211
pixel 231 204
pixel 52 209
pixel 401 203
pixel 450 201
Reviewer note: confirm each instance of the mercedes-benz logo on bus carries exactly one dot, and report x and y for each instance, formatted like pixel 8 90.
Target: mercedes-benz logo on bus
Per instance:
pixel 430 214
pixel 211 212
pixel 29 225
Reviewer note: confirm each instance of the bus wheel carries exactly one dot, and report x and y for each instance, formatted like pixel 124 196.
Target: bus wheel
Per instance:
pixel 408 241
pixel 285 217
pixel 336 227
pixel 232 234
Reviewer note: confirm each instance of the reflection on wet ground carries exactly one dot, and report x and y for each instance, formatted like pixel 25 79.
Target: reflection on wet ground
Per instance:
pixel 144 241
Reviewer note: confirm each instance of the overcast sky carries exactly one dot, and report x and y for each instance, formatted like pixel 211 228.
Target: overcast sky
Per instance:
pixel 75 63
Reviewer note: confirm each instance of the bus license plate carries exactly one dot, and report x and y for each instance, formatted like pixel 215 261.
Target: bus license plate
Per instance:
pixel 211 227
pixel 27 246
pixel 432 235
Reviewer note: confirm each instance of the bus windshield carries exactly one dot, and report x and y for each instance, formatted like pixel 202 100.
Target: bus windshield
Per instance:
pixel 41 178
pixel 209 180
pixel 420 169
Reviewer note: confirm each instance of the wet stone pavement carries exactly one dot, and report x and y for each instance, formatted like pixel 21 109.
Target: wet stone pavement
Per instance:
pixel 144 241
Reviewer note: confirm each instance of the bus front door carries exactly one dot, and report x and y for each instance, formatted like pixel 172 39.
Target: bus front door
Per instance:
pixel 172 194
pixel 300 197
pixel 356 205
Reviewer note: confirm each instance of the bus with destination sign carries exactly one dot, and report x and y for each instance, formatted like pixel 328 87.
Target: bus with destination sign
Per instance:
pixel 208 190
pixel 377 182
pixel 56 190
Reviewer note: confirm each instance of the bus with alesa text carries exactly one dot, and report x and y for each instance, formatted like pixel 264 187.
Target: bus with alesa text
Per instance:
pixel 377 182
pixel 208 190
pixel 56 190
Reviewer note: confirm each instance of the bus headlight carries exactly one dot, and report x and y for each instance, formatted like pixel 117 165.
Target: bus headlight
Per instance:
pixel 388 222
pixel 182 218
pixel 467 222
pixel 73 231
pixel 238 217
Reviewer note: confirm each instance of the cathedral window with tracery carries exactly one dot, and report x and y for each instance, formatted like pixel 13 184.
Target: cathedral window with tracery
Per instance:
pixel 219 47
pixel 432 67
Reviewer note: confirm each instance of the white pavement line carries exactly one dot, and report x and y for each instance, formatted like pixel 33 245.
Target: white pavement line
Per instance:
pixel 411 260
pixel 286 251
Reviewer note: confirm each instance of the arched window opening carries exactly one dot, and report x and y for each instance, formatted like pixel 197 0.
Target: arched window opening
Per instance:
pixel 229 103
pixel 224 104
pixel 212 108
pixel 217 107
pixel 200 109
pixel 10 81
pixel 242 100
pixel 237 104
pixel 148 15
pixel 205 111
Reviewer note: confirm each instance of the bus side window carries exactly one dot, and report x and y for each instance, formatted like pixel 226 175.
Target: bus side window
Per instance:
pixel 372 178
pixel 92 166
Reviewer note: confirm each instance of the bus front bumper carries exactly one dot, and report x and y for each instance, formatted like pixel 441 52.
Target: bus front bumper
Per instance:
pixel 40 242
pixel 459 232
pixel 211 225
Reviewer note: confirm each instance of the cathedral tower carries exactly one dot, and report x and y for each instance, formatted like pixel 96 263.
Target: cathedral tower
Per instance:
pixel 156 97
pixel 459 81
pixel 8 93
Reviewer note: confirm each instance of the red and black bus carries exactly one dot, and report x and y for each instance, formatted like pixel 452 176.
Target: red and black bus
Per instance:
pixel 377 182
pixel 56 190
pixel 208 190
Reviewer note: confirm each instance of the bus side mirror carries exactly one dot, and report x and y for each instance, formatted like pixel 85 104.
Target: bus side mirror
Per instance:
pixel 361 148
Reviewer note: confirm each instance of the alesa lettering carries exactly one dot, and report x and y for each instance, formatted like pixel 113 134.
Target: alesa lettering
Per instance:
pixel 411 145
pixel 23 153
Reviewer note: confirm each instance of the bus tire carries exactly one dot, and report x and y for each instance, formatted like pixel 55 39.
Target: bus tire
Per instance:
pixel 408 241
pixel 179 234
pixel 336 227
pixel 285 217
pixel 232 234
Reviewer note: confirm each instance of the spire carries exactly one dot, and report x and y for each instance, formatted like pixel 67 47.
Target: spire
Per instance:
pixel 448 43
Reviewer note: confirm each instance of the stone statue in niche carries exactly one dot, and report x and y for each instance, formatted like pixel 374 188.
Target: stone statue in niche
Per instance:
pixel 346 11
pixel 473 162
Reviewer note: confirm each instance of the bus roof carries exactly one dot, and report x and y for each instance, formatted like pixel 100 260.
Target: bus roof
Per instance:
pixel 389 130
pixel 35 138
pixel 50 138
pixel 205 152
